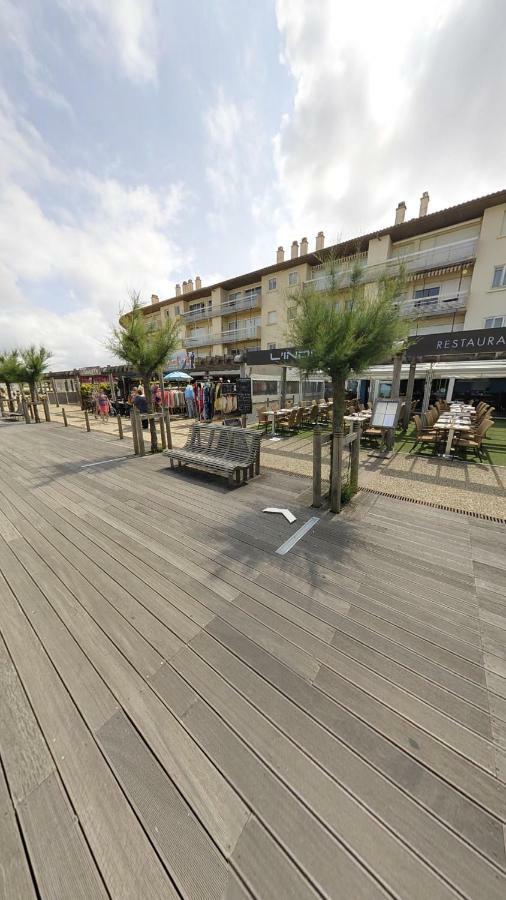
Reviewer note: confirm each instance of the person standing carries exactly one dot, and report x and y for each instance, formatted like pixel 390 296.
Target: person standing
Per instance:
pixel 141 404
pixel 103 406
pixel 189 396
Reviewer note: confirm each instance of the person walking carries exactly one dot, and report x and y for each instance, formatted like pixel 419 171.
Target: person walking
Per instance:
pixel 189 396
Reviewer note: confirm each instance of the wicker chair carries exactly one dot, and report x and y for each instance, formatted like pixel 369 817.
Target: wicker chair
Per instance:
pixel 473 440
pixel 424 437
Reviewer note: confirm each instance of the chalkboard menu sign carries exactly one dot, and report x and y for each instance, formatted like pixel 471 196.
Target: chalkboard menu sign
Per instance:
pixel 227 388
pixel 244 406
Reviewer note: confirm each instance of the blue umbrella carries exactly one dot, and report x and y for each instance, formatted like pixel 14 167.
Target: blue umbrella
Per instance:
pixel 177 376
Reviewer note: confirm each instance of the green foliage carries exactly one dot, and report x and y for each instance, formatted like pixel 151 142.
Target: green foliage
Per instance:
pixel 347 332
pixel 348 491
pixel 140 344
pixel 34 361
pixel 10 367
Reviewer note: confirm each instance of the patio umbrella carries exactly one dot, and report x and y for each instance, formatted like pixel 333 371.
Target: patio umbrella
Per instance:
pixel 177 376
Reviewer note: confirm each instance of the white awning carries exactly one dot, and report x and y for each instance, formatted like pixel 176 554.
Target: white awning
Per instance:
pixel 475 368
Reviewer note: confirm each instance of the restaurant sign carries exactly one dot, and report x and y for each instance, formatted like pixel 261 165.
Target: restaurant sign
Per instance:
pixel 90 370
pixel 458 343
pixel 286 356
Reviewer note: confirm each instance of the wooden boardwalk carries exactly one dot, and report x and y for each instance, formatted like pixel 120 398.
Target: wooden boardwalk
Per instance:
pixel 186 713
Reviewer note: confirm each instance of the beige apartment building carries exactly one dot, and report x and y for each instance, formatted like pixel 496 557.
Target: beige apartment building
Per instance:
pixel 455 260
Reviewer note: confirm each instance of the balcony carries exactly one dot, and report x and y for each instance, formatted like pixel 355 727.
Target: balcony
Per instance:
pixel 244 303
pixel 201 340
pixel 445 304
pixel 422 260
pixel 195 315
pixel 244 333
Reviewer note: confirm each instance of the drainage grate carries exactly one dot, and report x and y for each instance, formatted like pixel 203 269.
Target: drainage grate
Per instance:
pixel 452 509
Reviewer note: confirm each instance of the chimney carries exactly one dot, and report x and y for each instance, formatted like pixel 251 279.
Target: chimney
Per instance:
pixel 400 213
pixel 424 203
pixel 190 284
pixel 320 240
pixel 198 282
pixel 178 290
pixel 295 250
pixel 280 255
pixel 304 248
pixel 185 287
pixel 155 298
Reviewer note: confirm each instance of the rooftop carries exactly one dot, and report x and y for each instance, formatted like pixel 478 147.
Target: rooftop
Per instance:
pixel 443 218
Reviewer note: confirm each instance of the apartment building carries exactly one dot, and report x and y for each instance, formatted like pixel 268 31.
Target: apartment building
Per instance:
pixel 455 261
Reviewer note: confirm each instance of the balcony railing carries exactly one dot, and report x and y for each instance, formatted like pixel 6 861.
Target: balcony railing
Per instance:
pixel 201 340
pixel 442 305
pixel 247 332
pixel 250 302
pixel 194 315
pixel 435 258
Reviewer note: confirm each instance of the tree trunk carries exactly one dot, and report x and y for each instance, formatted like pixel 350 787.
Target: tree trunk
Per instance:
pixel 33 395
pixel 9 395
pixel 339 406
pixel 152 424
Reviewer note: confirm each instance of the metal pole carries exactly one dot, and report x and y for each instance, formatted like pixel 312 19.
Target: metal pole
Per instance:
pixel 282 389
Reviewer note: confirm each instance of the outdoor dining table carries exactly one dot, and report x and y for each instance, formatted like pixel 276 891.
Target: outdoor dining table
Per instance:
pixel 357 417
pixel 273 413
pixel 452 424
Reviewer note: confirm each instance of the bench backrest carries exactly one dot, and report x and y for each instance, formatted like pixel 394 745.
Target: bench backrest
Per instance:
pixel 228 443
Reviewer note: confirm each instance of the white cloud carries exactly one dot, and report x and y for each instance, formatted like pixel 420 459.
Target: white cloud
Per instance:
pixel 391 99
pixel 16 29
pixel 123 31
pixel 119 240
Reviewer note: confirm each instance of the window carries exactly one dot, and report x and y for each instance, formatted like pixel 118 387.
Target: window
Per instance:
pixel 272 284
pixel 291 312
pixel 293 278
pixel 272 317
pixel 271 346
pixel 232 298
pixel 495 322
pixel 502 232
pixel 265 387
pixel 426 296
pixel 499 279
pixel 177 311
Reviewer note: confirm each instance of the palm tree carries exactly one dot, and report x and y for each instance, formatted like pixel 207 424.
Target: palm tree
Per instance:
pixel 34 362
pixel 10 372
pixel 145 347
pixel 344 336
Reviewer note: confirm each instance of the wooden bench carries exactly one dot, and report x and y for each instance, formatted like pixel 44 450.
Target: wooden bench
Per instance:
pixel 225 451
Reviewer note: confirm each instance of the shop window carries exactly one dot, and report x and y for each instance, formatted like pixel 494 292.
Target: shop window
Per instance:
pixel 265 387
pixel 499 279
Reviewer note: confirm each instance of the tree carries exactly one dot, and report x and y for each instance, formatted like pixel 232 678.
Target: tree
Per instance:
pixel 10 372
pixel 34 362
pixel 145 347
pixel 343 335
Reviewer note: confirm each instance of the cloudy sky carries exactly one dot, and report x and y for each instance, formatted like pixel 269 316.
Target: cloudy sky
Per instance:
pixel 143 142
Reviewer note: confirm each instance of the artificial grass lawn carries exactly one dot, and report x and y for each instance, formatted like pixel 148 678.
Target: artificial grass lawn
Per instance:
pixel 493 447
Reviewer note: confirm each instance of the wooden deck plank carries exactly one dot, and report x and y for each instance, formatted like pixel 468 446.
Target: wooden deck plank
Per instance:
pixel 124 857
pixel 330 712
pixel 15 878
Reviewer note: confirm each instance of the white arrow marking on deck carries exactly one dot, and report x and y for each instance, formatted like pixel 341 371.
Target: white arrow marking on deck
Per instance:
pixel 284 512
